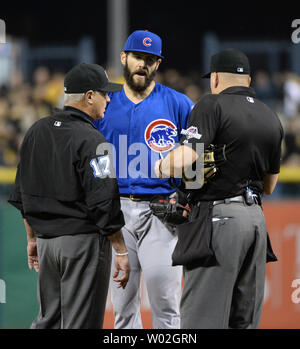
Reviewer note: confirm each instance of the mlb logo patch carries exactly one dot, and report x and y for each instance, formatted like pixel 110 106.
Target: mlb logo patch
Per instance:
pixel 57 123
pixel 240 70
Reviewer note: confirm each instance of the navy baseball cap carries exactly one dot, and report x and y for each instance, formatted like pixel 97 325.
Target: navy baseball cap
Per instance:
pixel 144 41
pixel 84 77
pixel 229 61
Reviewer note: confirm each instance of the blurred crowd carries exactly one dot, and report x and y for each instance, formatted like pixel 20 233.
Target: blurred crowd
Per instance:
pixel 21 104
pixel 24 102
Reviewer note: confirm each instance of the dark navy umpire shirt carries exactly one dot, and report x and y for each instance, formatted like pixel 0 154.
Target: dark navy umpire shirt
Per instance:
pixel 252 135
pixel 62 185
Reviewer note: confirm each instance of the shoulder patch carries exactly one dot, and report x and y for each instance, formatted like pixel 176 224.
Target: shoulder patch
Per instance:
pixel 191 132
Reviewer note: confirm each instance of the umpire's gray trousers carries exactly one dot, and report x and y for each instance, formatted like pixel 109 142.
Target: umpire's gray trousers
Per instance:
pixel 73 281
pixel 229 295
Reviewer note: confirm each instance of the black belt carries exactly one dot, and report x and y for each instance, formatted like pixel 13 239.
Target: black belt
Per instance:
pixel 239 198
pixel 137 197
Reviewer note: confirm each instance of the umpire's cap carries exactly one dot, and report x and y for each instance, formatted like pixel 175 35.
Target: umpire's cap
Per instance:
pixel 144 41
pixel 84 77
pixel 229 61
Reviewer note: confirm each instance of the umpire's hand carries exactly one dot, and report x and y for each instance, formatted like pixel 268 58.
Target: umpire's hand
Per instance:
pixel 121 259
pixel 32 255
pixel 122 268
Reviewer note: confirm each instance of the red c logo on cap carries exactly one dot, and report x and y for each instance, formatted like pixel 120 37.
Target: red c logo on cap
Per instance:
pixel 147 42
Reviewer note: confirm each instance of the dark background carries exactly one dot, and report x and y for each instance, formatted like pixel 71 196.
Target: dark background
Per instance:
pixel 180 24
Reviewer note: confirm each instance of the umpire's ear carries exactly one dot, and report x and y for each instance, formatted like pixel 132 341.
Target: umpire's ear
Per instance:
pixel 214 81
pixel 88 97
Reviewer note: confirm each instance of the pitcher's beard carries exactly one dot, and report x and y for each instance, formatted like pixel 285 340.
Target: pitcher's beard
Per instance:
pixel 134 86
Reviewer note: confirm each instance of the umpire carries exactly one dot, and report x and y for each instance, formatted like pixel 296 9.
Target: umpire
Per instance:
pixel 69 200
pixel 225 243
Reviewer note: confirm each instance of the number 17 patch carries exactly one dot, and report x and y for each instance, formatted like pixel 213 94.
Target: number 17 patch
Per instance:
pixel 101 166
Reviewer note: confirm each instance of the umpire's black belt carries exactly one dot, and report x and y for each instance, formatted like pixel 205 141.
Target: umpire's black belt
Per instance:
pixel 137 197
pixel 238 198
pixel 229 200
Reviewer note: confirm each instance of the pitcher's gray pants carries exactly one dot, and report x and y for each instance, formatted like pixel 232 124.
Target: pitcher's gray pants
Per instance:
pixel 150 245
pixel 229 295
pixel 73 281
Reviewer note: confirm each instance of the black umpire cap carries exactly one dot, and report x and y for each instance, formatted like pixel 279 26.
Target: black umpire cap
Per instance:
pixel 84 77
pixel 229 61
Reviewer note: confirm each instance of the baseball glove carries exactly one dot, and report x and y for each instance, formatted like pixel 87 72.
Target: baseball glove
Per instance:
pixel 172 210
pixel 211 159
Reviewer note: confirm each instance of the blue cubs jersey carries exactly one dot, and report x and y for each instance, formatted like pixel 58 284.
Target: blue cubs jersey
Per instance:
pixel 141 133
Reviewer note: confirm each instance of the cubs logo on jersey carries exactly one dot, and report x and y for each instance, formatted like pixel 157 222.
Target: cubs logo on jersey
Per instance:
pixel 160 135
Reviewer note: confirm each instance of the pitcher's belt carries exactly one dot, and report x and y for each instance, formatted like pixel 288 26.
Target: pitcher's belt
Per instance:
pixel 137 197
